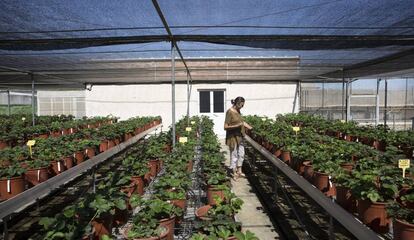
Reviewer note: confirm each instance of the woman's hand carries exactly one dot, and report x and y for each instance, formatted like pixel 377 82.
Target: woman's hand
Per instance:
pixel 246 125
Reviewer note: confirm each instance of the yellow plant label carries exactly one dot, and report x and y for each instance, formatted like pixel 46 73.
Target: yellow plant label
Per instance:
pixel 192 122
pixel 31 143
pixel 296 129
pixel 264 119
pixel 404 164
pixel 182 139
pixel 188 129
pixel 343 121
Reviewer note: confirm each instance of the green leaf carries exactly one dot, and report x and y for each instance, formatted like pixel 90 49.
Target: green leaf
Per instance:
pixel 105 237
pixel 46 222
pixel 69 211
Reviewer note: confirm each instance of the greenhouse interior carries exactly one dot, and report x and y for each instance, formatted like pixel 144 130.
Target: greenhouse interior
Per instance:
pixel 207 120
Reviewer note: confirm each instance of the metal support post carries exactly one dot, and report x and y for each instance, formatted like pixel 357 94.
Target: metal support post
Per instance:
pixel 348 100
pixel 323 95
pixel 93 180
pixel 331 225
pixel 405 103
pixel 377 108
pixel 296 97
pixel 33 99
pixel 8 103
pixel 188 100
pixel 5 230
pixel 343 96
pixel 385 102
pixel 276 182
pixel 299 95
pixel 173 92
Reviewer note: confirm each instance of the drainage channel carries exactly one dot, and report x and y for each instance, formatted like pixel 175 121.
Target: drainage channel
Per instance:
pixel 186 227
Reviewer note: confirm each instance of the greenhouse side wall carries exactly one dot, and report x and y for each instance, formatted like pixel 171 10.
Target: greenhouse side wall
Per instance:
pixel 326 99
pixel 131 100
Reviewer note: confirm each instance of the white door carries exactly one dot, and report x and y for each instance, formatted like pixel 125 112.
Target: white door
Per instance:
pixel 212 103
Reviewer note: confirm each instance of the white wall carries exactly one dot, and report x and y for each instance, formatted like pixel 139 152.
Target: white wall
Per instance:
pixel 142 100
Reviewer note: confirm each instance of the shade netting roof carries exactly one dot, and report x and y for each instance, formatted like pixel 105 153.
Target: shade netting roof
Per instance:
pixel 105 41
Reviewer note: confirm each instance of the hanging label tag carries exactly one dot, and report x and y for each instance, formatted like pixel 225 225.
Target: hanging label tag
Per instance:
pixel 404 164
pixel 8 186
pixel 182 139
pixel 343 121
pixel 192 122
pixel 188 129
pixel 38 175
pixel 31 143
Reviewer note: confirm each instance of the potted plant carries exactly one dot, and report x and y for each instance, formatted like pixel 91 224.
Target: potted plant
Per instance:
pixel 374 191
pixel 11 181
pixel 148 229
pixel 227 207
pixel 217 183
pixel 37 171
pixel 137 169
pixel 403 221
pixel 160 210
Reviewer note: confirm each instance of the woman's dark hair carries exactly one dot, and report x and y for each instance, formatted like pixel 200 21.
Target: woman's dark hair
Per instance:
pixel 237 100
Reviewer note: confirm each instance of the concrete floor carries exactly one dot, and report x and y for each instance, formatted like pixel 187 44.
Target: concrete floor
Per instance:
pixel 252 215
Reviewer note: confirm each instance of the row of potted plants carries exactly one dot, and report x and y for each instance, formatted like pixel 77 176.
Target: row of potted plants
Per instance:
pixel 15 131
pixel 52 156
pixel 94 215
pixel 377 136
pixel 362 179
pixel 158 216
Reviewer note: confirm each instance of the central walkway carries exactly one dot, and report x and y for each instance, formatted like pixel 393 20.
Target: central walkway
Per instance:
pixel 252 215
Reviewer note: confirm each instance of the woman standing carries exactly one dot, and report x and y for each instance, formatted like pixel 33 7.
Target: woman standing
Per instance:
pixel 235 131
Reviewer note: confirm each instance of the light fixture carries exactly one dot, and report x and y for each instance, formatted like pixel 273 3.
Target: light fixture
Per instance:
pixel 88 86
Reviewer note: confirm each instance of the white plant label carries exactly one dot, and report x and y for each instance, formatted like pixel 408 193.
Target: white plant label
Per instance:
pixel 86 151
pixel 8 186
pixel 71 130
pixel 38 175
pixel 58 166
pixel 188 129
